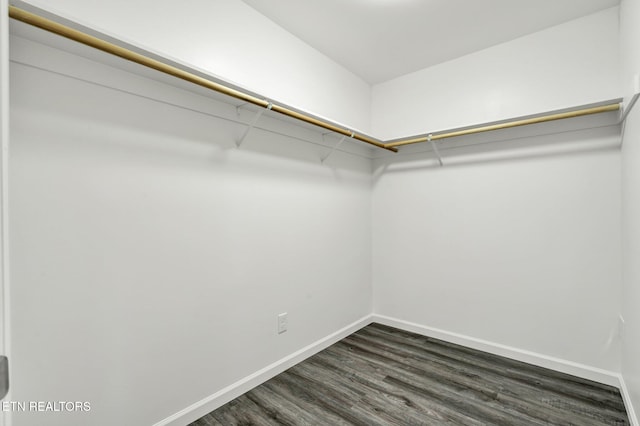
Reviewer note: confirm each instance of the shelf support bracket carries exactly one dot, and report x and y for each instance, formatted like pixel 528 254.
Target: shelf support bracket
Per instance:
pixel 253 124
pixel 344 137
pixel 435 149
pixel 626 109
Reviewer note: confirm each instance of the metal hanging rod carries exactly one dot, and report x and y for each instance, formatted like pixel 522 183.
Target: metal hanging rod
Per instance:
pixel 127 54
pixel 124 53
pixel 506 125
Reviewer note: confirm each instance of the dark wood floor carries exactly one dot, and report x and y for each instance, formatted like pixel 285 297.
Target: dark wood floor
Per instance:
pixel 385 376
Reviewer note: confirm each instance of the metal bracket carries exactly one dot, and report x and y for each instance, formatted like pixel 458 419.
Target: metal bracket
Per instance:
pixel 435 149
pixel 253 124
pixel 240 107
pixel 4 376
pixel 344 137
pixel 626 109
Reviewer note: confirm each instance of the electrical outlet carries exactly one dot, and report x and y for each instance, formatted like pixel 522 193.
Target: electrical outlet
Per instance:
pixel 283 322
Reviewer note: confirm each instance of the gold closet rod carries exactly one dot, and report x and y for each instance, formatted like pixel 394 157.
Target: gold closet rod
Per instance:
pixel 506 125
pixel 105 46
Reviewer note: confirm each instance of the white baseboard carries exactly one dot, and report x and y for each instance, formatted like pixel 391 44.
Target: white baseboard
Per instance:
pixel 580 370
pixel 626 397
pixel 210 403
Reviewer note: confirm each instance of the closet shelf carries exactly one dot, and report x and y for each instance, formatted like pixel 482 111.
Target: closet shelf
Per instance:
pixel 117 48
pixel 507 124
pixel 178 72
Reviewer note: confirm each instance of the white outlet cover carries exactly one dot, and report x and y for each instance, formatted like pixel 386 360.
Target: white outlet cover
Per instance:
pixel 282 323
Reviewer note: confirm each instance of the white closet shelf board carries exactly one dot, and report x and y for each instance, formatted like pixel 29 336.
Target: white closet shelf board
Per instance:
pixel 501 138
pixel 209 102
pixel 33 33
pixel 322 136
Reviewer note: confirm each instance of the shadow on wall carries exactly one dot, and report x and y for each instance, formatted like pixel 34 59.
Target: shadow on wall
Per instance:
pixel 180 125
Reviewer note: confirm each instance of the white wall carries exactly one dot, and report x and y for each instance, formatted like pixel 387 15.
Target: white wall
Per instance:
pixel 522 252
pixel 151 257
pixel 630 43
pixel 571 64
pixel 231 40
pixel 519 248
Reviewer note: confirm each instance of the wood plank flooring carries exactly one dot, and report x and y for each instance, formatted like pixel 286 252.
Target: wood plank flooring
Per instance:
pixel 385 376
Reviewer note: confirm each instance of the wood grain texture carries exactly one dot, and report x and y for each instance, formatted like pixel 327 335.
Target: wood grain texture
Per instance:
pixel 385 376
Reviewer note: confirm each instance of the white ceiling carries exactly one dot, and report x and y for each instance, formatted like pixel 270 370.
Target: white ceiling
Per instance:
pixel 382 39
